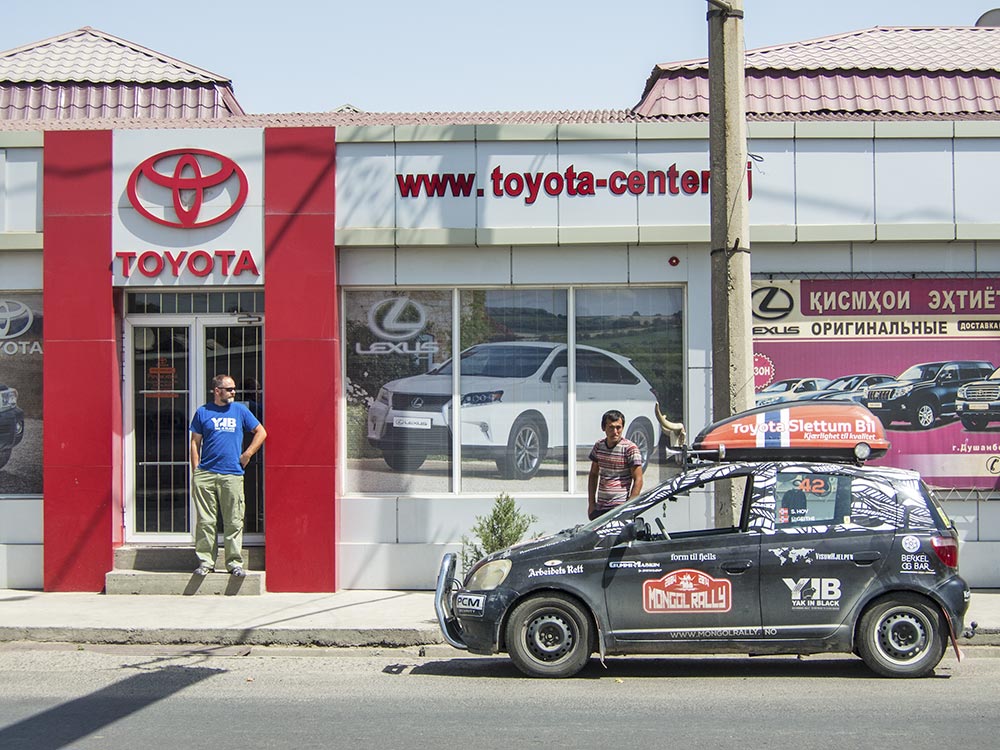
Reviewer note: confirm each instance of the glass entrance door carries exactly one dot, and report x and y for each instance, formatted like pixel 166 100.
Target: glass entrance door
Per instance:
pixel 172 362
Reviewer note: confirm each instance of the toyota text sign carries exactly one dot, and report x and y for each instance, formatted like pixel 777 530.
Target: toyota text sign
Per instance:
pixel 189 208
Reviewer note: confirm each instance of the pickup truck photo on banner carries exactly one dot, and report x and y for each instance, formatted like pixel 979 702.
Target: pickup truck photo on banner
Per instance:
pixel 20 393
pixel 921 354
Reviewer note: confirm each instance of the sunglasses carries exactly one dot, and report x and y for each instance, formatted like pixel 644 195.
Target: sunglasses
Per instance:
pixel 224 388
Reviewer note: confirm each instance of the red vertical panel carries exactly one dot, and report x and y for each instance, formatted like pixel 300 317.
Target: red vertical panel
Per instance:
pixel 82 392
pixel 301 359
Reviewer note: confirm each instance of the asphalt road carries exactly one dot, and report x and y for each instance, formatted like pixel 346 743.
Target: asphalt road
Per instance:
pixel 63 696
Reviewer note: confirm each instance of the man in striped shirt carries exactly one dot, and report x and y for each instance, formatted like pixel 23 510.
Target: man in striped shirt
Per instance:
pixel 615 467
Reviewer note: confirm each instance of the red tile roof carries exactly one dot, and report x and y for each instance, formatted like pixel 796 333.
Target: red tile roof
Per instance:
pixel 87 73
pixel 884 72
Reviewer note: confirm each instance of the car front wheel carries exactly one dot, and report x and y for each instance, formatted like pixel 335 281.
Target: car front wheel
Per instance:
pixel 549 636
pixel 925 415
pixel 525 450
pixel 975 424
pixel 403 459
pixel 902 636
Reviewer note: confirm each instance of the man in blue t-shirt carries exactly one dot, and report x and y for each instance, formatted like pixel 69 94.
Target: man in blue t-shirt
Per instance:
pixel 217 462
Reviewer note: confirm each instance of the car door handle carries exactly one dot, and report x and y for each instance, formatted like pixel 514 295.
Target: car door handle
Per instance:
pixel 737 566
pixel 866 558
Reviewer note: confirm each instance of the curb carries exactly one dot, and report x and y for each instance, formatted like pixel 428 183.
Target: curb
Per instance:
pixel 338 637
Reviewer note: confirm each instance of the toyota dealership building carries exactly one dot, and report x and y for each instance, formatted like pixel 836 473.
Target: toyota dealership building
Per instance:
pixel 427 310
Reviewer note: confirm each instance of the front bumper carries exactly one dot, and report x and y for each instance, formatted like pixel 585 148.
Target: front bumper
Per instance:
pixel 11 427
pixel 479 633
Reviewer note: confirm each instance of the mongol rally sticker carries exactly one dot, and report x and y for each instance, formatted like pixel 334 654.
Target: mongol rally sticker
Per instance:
pixel 686 590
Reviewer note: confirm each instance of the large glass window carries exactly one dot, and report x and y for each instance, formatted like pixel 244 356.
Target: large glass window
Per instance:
pixel 514 385
pixel 398 396
pixel 629 357
pixel 513 377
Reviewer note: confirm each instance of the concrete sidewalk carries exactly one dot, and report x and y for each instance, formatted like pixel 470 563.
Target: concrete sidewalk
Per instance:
pixel 347 618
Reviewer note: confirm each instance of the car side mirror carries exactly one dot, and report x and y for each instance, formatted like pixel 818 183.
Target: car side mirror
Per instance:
pixel 628 533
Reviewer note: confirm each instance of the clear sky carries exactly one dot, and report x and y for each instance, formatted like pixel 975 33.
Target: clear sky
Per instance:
pixel 450 55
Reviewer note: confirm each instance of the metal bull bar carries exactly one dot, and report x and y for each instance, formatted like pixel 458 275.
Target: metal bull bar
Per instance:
pixel 447 621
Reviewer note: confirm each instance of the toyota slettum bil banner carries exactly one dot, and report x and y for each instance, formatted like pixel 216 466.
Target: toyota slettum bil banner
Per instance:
pixel 920 353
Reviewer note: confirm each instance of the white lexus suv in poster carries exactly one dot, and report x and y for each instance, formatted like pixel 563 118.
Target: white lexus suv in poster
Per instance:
pixel 513 406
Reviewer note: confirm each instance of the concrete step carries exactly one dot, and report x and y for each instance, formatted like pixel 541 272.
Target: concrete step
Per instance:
pixel 183 584
pixel 177 559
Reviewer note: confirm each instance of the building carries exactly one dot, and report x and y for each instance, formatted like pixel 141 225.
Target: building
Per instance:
pixel 336 263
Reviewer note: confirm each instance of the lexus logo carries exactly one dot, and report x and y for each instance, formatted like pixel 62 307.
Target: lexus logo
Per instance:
pixel 183 179
pixel 771 303
pixel 417 403
pixel 15 319
pixel 396 319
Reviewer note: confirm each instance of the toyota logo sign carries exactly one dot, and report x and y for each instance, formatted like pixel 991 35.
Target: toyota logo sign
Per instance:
pixel 188 174
pixel 15 319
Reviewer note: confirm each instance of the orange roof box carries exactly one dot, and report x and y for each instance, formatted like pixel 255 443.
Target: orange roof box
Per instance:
pixel 833 430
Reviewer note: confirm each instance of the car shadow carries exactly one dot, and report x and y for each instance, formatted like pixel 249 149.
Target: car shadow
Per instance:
pixel 700 667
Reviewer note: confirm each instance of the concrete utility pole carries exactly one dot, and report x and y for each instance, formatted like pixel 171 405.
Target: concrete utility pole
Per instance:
pixel 732 345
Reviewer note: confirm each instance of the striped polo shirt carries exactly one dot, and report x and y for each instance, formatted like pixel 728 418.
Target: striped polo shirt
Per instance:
pixel 615 465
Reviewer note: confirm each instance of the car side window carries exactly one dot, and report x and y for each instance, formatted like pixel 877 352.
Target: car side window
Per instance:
pixel 594 367
pixel 948 373
pixel 823 499
pixel 807 499
pixel 692 512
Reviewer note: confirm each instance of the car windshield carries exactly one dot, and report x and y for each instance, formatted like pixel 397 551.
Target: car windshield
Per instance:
pixel 921 372
pixel 843 384
pixel 503 361
pixel 780 386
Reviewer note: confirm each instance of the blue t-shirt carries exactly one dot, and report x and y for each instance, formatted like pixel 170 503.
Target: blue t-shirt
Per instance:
pixel 221 429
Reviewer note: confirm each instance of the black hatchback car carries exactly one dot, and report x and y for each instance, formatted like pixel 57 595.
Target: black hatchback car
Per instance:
pixel 824 557
pixel 11 423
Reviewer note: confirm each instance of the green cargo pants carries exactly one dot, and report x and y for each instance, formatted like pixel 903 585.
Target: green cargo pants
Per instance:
pixel 210 493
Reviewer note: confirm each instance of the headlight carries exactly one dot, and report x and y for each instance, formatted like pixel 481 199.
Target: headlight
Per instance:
pixel 8 398
pixel 902 391
pixel 482 398
pixel 384 397
pixel 961 392
pixel 487 577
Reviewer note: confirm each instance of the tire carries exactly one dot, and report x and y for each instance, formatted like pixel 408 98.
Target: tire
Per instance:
pixel 924 416
pixel 525 449
pixel 902 635
pixel 975 424
pixel 640 432
pixel 549 636
pixel 403 459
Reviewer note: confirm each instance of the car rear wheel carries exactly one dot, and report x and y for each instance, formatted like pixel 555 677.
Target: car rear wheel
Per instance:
pixel 549 636
pixel 975 424
pixel 925 415
pixel 525 449
pixel 402 459
pixel 902 636
pixel 640 432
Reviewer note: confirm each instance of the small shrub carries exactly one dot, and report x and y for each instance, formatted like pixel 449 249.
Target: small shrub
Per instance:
pixel 501 528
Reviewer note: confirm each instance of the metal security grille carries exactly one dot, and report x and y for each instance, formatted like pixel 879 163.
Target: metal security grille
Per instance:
pixel 162 404
pixel 195 303
pixel 236 351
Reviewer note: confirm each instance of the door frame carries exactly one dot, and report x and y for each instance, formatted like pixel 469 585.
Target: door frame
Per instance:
pixel 196 324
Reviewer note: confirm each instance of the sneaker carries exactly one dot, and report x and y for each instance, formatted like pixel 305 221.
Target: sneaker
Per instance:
pixel 238 572
pixel 203 570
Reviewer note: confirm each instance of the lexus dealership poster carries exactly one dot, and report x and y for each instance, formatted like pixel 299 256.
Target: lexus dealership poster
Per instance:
pixel 924 351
